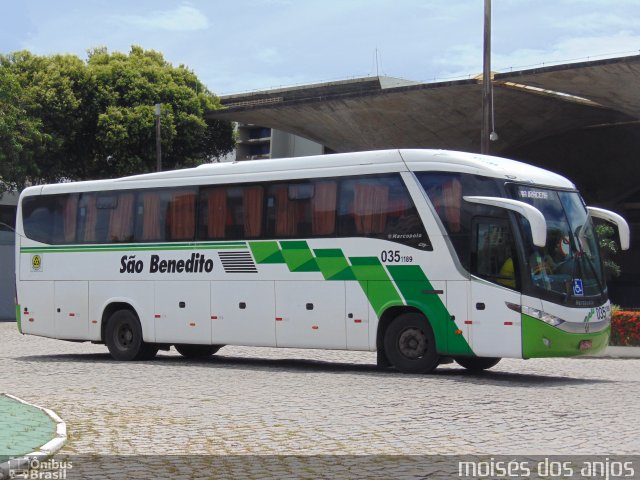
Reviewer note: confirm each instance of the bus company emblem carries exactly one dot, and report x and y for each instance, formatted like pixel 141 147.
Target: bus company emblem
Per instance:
pixel 36 263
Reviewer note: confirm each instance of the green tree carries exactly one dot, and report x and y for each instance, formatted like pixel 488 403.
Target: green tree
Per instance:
pixel 21 140
pixel 53 94
pixel 609 248
pixel 66 118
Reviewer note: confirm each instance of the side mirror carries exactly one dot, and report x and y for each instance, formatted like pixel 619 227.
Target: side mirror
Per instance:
pixel 621 223
pixel 532 214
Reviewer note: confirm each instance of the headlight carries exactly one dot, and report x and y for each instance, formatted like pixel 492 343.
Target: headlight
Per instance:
pixel 540 315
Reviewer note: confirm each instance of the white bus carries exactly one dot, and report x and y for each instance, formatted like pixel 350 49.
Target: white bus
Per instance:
pixel 421 255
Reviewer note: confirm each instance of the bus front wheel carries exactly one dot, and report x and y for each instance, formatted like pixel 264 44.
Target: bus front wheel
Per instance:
pixel 123 336
pixel 197 351
pixel 477 364
pixel 410 344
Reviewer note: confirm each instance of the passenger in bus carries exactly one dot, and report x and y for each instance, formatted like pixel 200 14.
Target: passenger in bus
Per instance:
pixel 507 275
pixel 542 263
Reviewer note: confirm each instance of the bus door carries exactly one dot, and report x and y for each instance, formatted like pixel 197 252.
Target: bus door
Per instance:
pixel 182 312
pixel 310 314
pixel 71 310
pixel 495 328
pixel 36 304
pixel 243 313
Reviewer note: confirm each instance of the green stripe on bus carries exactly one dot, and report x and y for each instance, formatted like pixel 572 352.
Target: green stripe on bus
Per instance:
pixel 298 256
pixel 266 252
pixel 333 264
pixel 135 247
pixel 413 283
pixel 375 282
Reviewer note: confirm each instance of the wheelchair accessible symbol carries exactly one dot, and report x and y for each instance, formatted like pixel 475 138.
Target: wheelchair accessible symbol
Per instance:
pixel 578 291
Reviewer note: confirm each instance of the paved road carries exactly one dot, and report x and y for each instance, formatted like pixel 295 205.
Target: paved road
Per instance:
pixel 271 401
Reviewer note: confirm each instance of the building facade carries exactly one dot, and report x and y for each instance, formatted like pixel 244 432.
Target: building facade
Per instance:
pixel 8 205
pixel 256 143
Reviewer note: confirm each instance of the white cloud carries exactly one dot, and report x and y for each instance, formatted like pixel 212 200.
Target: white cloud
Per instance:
pixel 573 49
pixel 225 84
pixel 270 56
pixel 599 21
pixel 185 18
pixel 619 43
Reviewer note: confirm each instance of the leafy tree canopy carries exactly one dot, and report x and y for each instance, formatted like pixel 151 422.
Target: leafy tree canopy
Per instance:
pixel 65 118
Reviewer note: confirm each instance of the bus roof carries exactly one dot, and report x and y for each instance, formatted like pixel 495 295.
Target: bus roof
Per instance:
pixel 486 165
pixel 376 161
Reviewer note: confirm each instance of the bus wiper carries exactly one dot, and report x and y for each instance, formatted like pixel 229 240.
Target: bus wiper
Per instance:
pixel 581 255
pixel 593 270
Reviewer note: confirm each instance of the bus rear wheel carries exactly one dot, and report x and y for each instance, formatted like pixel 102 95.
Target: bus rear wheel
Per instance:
pixel 197 351
pixel 123 336
pixel 477 364
pixel 410 344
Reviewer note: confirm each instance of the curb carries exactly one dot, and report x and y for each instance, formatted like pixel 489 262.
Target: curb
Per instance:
pixel 43 452
pixel 617 352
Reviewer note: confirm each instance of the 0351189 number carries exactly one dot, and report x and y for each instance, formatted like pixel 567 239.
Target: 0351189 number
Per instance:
pixel 393 256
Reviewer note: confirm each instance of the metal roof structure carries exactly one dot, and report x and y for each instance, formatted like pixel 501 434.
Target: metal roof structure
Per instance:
pixel 382 112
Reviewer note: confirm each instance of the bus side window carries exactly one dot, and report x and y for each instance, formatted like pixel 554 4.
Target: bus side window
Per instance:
pixel 370 207
pixel 232 212
pixel 252 211
pixel 493 251
pixel 88 218
pixel 346 219
pixel 37 216
pixel 213 213
pixel 363 207
pixel 51 219
pixel 380 207
pixel 150 225
pixel 121 219
pixel 323 208
pixel 445 193
pixel 69 210
pixel 181 215
pixel 289 207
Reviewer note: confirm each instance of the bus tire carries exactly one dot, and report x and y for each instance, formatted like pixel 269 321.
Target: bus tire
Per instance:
pixel 148 351
pixel 410 344
pixel 197 351
pixel 477 364
pixel 123 336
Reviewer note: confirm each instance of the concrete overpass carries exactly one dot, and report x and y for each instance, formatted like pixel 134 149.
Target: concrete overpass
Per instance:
pixel 382 112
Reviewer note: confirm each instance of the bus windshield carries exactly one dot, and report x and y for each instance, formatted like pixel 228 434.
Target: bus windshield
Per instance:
pixel 570 262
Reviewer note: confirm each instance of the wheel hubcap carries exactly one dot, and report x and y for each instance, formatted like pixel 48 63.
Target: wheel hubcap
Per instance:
pixel 125 336
pixel 413 343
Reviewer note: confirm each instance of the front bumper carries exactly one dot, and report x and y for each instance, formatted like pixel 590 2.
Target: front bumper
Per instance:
pixel 540 339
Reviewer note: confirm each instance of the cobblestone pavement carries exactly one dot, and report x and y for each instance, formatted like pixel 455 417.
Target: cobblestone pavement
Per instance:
pixel 308 402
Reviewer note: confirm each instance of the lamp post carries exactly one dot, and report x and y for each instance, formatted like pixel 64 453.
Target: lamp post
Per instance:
pixel 486 80
pixel 158 144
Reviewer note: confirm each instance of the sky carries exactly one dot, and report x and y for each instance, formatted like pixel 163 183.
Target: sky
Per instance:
pixel 243 45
